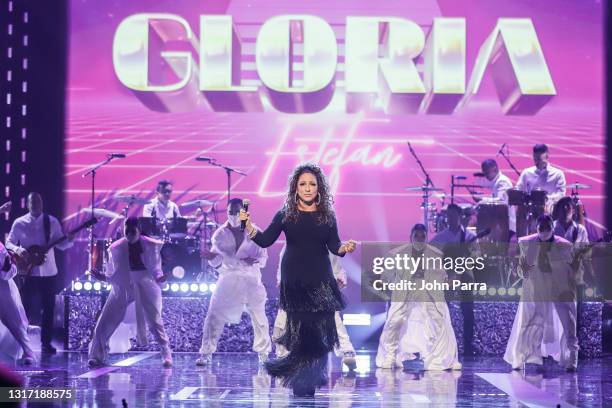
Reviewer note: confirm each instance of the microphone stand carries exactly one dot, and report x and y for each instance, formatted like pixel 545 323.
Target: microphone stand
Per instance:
pixel 92 171
pixel 228 171
pixel 468 187
pixel 501 151
pixel 428 183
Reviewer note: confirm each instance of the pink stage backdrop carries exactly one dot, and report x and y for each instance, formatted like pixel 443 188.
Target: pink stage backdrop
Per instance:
pixel 365 154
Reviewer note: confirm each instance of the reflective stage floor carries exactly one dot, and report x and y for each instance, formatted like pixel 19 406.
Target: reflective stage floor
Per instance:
pixel 236 380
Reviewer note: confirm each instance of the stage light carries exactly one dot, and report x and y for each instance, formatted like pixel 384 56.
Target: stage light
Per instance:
pixel 519 291
pixel 97 286
pixel 109 286
pixel 174 287
pixel 492 291
pixel 501 291
pixel 194 287
pixel 203 287
pixel 166 287
pixel 87 286
pixel 482 292
pixel 178 272
pixel 212 287
pixel 356 319
pixel 78 285
pixel 184 287
pixel 511 291
pixel 589 292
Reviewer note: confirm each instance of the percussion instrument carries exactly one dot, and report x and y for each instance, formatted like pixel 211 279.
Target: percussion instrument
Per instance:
pixel 577 186
pixel 516 196
pixel 102 213
pixel 148 226
pixel 181 258
pixel 174 228
pixel 196 203
pixel 131 199
pixel 423 188
pixel 537 197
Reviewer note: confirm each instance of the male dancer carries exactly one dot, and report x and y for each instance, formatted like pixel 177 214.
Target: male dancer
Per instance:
pixel 12 314
pixel 239 261
pixel 135 273
pixel 419 319
pixel 549 270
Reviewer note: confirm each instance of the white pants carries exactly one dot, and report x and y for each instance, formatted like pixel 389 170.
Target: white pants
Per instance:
pixel 13 316
pixel 233 295
pixel 419 326
pixel 533 333
pixel 114 309
pixel 280 324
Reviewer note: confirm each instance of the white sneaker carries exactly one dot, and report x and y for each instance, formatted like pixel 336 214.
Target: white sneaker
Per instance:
pixel 348 359
pixel 262 357
pixel 205 359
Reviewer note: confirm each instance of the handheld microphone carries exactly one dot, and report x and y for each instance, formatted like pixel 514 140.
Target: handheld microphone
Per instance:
pixel 116 156
pixel 501 150
pixel 245 206
pixel 479 174
pixel 460 178
pixel 204 159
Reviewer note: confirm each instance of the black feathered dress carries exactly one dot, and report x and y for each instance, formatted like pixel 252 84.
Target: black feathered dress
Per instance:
pixel 309 294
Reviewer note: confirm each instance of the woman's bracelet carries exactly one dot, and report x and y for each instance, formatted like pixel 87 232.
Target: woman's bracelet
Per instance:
pixel 253 232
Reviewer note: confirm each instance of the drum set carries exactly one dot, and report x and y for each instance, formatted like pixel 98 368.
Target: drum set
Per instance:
pixel 486 213
pixel 184 238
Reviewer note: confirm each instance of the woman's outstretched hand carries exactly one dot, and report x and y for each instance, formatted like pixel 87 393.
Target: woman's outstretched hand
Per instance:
pixel 347 247
pixel 245 216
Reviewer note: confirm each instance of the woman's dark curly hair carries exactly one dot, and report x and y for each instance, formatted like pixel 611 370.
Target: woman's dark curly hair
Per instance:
pixel 324 199
pixel 556 213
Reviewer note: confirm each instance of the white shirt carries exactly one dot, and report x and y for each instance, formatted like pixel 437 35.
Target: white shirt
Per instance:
pixel 568 234
pixel 162 211
pixel 230 259
pixel 499 186
pixel 27 231
pixel 551 180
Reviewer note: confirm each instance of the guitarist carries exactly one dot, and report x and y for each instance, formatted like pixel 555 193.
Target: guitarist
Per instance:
pixel 38 228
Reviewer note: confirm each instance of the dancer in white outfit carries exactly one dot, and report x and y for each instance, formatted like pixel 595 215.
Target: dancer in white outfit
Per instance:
pixel 345 349
pixel 135 274
pixel 12 313
pixel 239 261
pixel 419 319
pixel 548 269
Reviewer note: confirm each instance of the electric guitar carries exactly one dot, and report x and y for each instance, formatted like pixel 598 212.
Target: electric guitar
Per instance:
pixel 36 254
